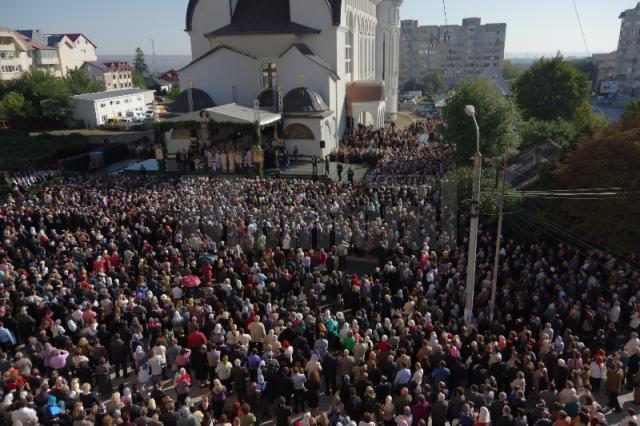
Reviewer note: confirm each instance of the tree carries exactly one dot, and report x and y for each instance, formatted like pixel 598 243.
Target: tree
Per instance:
pixel 139 62
pixel 79 82
pixel 552 89
pixel 587 67
pixel 174 92
pixel 433 82
pixel 561 131
pixel 607 161
pixel 632 106
pixel 50 97
pixel 497 117
pixel 16 109
pixel 138 80
pixel 489 197
pixel 511 71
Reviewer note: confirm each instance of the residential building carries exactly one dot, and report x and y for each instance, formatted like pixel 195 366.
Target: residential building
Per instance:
pixel 606 63
pixel 15 56
pixel 162 84
pixel 628 56
pixel 24 50
pixel 73 50
pixel 459 52
pixel 114 75
pixel 303 56
pixel 96 109
pixel 43 56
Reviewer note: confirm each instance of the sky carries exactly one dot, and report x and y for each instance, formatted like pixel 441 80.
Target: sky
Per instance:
pixel 119 26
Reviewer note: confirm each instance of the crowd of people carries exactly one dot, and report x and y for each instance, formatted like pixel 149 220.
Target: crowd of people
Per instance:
pixel 395 153
pixel 22 181
pixel 213 301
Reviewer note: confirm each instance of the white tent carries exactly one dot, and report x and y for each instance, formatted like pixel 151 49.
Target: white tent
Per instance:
pixel 231 113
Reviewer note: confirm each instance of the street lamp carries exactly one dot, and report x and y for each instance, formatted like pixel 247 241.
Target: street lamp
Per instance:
pixel 470 110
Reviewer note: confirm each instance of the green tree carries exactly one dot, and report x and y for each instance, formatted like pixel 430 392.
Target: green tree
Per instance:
pixel 587 67
pixel 490 195
pixel 552 89
pixel 138 80
pixel 16 109
pixel 174 92
pixel 50 97
pixel 632 106
pixel 433 82
pixel 511 71
pixel 586 122
pixel 561 131
pixel 411 85
pixel 139 62
pixel 497 117
pixel 79 82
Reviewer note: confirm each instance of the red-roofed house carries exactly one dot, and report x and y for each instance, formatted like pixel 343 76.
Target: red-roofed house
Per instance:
pixel 114 75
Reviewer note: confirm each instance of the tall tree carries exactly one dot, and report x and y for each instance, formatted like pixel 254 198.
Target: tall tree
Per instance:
pixel 551 89
pixel 497 117
pixel 608 161
pixel 511 71
pixel 79 82
pixel 433 82
pixel 138 80
pixel 139 62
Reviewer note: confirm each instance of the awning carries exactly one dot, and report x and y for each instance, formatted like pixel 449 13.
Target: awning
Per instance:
pixel 232 113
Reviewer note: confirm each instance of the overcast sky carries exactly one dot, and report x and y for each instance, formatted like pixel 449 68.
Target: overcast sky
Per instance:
pixel 118 26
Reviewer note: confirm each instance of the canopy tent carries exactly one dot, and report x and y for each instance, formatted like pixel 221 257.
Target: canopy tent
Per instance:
pixel 230 113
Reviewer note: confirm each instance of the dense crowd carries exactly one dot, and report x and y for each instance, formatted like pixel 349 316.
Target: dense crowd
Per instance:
pixel 213 301
pixel 395 153
pixel 22 181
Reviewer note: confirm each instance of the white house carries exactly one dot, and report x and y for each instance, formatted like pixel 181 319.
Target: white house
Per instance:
pixel 73 50
pixel 96 109
pixel 301 58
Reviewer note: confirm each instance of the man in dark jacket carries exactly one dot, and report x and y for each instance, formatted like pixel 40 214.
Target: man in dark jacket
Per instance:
pixel 117 355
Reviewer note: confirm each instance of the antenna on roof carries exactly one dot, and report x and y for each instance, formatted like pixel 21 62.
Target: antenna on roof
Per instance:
pixel 153 52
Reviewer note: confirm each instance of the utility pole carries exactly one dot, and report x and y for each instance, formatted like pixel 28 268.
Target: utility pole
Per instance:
pixel 153 52
pixel 496 260
pixel 473 226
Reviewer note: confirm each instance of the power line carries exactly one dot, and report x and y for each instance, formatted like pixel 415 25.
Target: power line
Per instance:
pixel 584 39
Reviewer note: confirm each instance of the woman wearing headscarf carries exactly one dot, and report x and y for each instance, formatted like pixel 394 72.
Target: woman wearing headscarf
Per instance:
pixel 182 382
pixel 218 397
pixel 388 412
pixel 223 370
pixel 484 419
pixel 139 357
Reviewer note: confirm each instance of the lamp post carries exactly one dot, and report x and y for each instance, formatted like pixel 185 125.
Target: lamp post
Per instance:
pixel 473 226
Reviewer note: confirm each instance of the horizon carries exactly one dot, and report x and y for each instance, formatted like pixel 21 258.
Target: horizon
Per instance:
pixel 531 30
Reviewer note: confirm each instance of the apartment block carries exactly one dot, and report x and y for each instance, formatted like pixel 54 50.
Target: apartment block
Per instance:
pixel 114 75
pixel 628 54
pixel 459 52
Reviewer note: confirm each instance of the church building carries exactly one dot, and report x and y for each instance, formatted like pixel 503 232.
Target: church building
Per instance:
pixel 322 64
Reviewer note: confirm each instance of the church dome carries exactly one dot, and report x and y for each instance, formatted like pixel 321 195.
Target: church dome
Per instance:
pixel 201 100
pixel 304 100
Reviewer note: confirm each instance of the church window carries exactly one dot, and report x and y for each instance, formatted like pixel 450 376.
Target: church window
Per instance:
pixel 269 75
pixel 348 52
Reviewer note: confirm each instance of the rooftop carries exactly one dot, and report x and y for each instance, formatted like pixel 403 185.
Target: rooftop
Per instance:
pixel 110 94
pixel 262 17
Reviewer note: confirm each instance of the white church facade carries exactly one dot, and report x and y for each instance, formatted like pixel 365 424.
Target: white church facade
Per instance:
pixel 322 64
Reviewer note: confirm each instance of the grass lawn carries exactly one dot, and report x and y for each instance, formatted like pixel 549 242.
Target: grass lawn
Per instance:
pixel 32 151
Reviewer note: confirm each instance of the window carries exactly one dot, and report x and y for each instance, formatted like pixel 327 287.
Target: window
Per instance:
pixel 269 75
pixel 348 53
